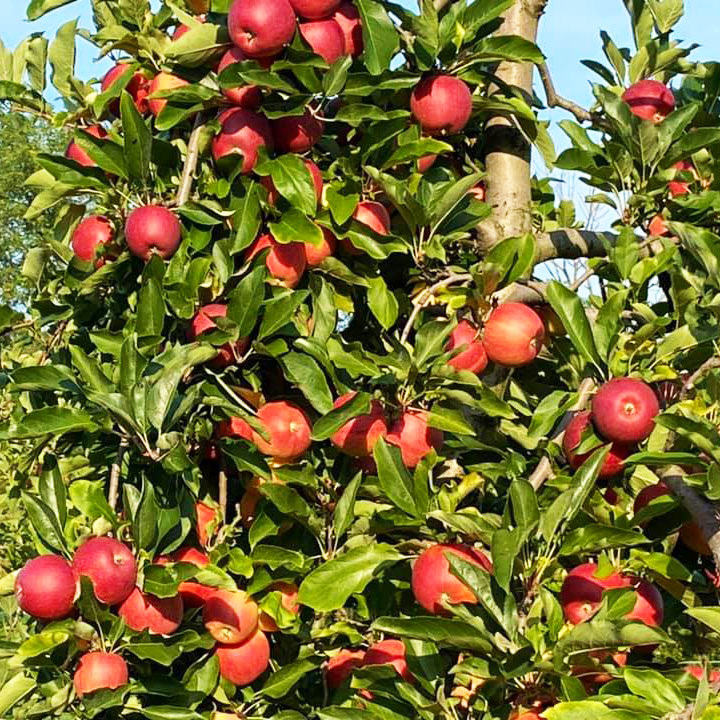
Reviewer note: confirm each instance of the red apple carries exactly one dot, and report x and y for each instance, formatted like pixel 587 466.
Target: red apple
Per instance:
pixel 92 233
pixel 261 28
pixel 698 671
pixel 159 616
pixel 244 663
pixel 649 100
pixel 357 437
pixel 513 335
pixel 613 464
pixel 203 322
pixel 624 410
pixel 46 587
pixel 76 153
pixel 208 520
pixel 230 616
pixel 193 594
pixel 325 38
pixel 657 227
pixel 473 356
pixel 138 86
pixel 582 590
pixel 246 96
pixel 529 715
pixel 314 9
pixel 649 607
pixel 181 30
pixel 682 187
pixel 285 262
pixel 433 581
pixel 288 599
pixel 442 104
pixel 478 192
pixel 426 162
pixel 288 428
pixel 374 215
pixel 99 671
pixel 110 566
pixel 297 133
pixel 316 254
pixel 415 438
pixel 348 18
pixel 242 133
pixel 340 667
pixel 389 652
pixel 235 427
pixel 317 181
pixel 152 229
pixel 163 81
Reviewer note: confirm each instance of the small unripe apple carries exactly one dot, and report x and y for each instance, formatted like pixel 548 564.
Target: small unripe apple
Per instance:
pixel 513 335
pixel 204 322
pixel 285 262
pixel 76 153
pixel 159 616
pixel 163 81
pixel 357 437
pixel 682 187
pixel 442 104
pixel 433 581
pixel 288 599
pixel 613 464
pixel 244 663
pixel 46 587
pixel 207 522
pixel 138 86
pixel 415 438
pixel 340 667
pixel 100 671
pixel 193 594
pixel 288 428
pixel 624 410
pixel 297 133
pixel 317 180
pixel 582 590
pixel 152 229
pixel 242 132
pixel 316 254
pixel 348 18
pixel 649 100
pixel 109 565
pixel 246 96
pixel 325 38
pixel 261 28
pixel 473 356
pixel 389 652
pixel 92 233
pixel 314 9
pixel 230 616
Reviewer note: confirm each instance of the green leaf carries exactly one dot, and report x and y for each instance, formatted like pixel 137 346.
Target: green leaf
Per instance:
pixel 293 181
pixel 440 630
pixel 709 616
pixel 49 421
pixel 37 8
pixel 245 301
pixel 329 586
pixel 382 303
pixel 306 374
pixel 294 226
pixel 14 690
pixel 600 537
pixel 282 681
pixel 331 422
pixel 61 55
pixel 343 515
pixel 52 489
pixel 653 686
pixel 137 139
pixel 395 480
pixel 150 309
pixel 279 312
pixel 88 496
pixel 380 38
pixel 44 522
pixel 571 311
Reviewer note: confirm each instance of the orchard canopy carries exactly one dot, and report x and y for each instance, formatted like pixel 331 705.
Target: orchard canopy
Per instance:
pixel 297 423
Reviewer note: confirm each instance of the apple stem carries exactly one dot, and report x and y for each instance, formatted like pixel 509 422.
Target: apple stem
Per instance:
pixel 191 161
pixel 115 473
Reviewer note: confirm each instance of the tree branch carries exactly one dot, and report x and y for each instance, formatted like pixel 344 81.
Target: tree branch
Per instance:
pixel 222 493
pixel 710 364
pixel 191 161
pixel 115 470
pixel 555 100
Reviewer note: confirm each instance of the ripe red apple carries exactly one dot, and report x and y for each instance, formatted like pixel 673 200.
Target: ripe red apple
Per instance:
pixel 314 9
pixel 152 229
pixel 163 81
pixel 285 262
pixel 433 581
pixel 288 599
pixel 697 671
pixel 415 438
pixel 657 227
pixel 340 667
pixel 244 663
pixel 513 335
pixel 242 133
pixel 357 437
pixel 348 18
pixel 582 590
pixel 325 38
pixel 100 671
pixel 624 410
pixel 46 587
pixel 159 616
pixel 181 30
pixel 261 28
pixel 442 104
pixel 138 86
pixel 204 322
pixel 389 652
pixel 193 594
pixel 317 180
pixel 613 464
pixel 478 192
pixel 92 233
pixel 234 427
pixel 426 162
pixel 246 96
pixel 649 607
pixel 76 153
pixel 297 133
pixel 681 187
pixel 230 616
pixel 110 566
pixel 316 254
pixel 288 428
pixel 473 357
pixel 374 215
pixel 649 100
pixel 527 715
pixel 208 520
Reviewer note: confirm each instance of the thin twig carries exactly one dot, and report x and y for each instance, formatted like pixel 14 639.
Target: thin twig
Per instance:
pixel 115 470
pixel 54 340
pixel 689 384
pixel 425 296
pixel 555 100
pixel 191 161
pixel 222 493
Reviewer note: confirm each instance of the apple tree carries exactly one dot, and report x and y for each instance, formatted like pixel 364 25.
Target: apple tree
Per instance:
pixel 310 434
